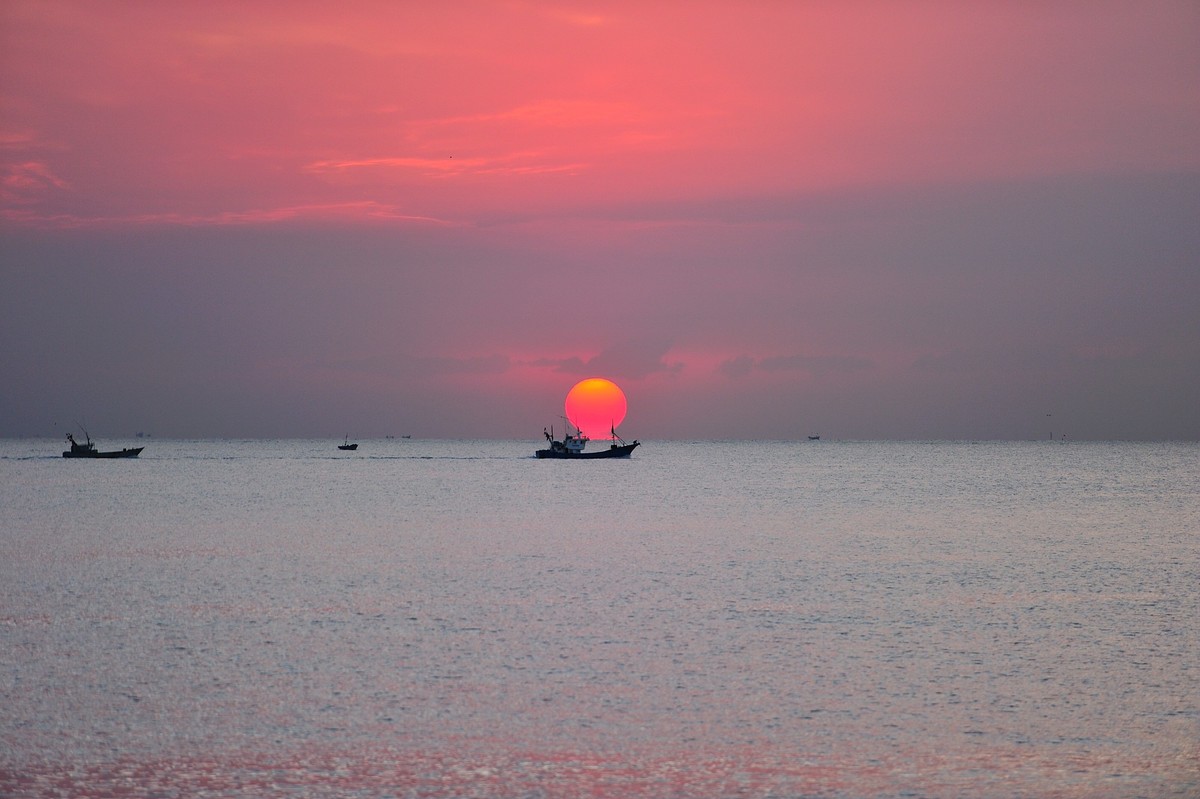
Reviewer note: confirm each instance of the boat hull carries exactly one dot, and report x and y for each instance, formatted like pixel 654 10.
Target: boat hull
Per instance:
pixel 348 447
pixel 622 451
pixel 120 453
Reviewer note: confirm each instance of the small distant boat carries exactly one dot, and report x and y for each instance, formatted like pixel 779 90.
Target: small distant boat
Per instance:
pixel 572 446
pixel 348 445
pixel 88 450
pixel 814 438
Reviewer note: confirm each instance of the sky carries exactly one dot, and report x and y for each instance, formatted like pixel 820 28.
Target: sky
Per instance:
pixel 762 220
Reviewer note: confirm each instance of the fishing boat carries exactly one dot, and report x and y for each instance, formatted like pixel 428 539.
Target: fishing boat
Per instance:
pixel 572 446
pixel 88 450
pixel 814 438
pixel 348 445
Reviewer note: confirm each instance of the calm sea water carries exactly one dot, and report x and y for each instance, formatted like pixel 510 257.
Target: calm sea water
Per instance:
pixel 707 619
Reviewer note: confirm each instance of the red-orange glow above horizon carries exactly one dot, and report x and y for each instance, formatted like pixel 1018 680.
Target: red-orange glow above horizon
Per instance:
pixel 596 406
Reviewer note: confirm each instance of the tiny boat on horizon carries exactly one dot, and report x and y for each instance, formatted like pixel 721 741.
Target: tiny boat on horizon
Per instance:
pixel 348 445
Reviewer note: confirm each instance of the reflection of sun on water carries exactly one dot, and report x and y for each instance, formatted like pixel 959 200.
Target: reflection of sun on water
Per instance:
pixel 595 406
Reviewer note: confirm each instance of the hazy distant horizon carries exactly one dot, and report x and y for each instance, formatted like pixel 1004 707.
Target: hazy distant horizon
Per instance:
pixel 537 439
pixel 919 221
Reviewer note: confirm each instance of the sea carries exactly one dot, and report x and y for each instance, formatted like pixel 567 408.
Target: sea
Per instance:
pixel 708 619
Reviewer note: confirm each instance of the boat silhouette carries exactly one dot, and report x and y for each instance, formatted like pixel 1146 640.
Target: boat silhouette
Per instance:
pixel 572 446
pixel 88 450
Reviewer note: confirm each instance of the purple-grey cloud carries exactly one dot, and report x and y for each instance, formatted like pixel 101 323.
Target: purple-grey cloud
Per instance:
pixel 817 365
pixel 633 359
pixel 959 311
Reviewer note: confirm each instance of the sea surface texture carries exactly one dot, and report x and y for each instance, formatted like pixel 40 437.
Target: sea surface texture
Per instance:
pixel 707 619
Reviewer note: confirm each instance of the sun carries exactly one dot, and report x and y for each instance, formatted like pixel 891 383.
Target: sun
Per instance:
pixel 596 406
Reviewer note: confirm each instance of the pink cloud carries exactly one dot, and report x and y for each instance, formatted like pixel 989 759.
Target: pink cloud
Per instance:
pixel 28 182
pixel 186 107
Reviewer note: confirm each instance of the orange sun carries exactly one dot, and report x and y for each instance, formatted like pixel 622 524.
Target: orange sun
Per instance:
pixel 596 406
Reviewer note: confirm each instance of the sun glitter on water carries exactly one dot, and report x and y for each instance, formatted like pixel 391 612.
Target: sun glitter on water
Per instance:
pixel 596 406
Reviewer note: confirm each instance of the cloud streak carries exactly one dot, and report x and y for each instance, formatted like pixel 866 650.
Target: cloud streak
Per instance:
pixel 816 365
pixel 627 359
pixel 353 211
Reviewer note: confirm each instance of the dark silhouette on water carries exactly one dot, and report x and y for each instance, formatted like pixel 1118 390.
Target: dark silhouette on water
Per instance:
pixel 88 450
pixel 572 445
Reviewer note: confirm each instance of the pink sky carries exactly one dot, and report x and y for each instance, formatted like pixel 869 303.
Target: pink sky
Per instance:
pixel 760 219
